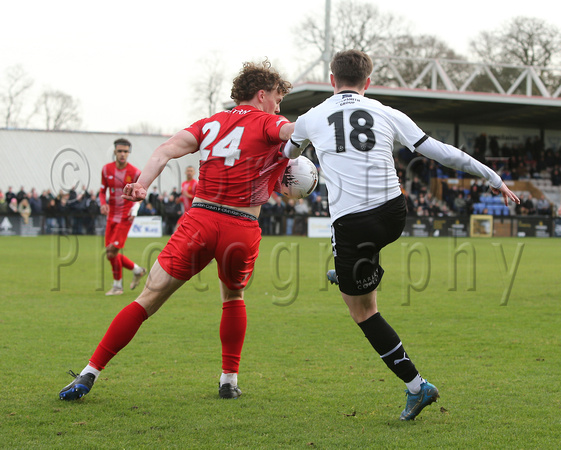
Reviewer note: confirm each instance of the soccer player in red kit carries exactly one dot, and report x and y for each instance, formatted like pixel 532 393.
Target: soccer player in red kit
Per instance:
pixel 120 214
pixel 188 188
pixel 240 163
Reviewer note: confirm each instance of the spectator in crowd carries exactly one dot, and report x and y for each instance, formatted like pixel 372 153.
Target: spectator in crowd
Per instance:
pixel 318 208
pixel 51 215
pixel 555 177
pixel 21 195
pixel 507 174
pixel 264 219
pixel 10 195
pixel 3 204
pixel 13 206
pixel 146 209
pixel 289 213
pixel 24 210
pixel 526 206
pixel 460 204
pixel 164 198
pixel 173 210
pixel 416 184
pixel 543 206
pixel 93 211
pixel 46 197
pixel 154 196
pixel 35 202
pixel 301 212
pixel 277 215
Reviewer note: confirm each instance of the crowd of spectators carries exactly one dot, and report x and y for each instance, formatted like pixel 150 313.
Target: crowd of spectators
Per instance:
pixel 529 161
pixel 78 211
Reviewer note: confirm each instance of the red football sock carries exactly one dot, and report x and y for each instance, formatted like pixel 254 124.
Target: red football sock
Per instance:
pixel 126 262
pixel 232 334
pixel 119 334
pixel 117 267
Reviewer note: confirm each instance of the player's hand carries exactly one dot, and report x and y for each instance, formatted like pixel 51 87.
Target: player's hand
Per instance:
pixel 134 192
pixel 507 194
pixel 104 209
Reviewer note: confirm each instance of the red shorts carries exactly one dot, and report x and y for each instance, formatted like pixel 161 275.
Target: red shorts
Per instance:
pixel 116 232
pixel 204 235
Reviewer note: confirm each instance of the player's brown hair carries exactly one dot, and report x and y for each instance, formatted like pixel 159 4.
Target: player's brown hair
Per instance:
pixel 351 67
pixel 254 77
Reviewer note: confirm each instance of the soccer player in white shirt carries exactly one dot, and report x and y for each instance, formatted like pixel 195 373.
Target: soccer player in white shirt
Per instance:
pixel 354 137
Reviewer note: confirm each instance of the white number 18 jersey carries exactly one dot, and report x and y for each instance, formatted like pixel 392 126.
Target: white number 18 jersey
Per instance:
pixel 354 138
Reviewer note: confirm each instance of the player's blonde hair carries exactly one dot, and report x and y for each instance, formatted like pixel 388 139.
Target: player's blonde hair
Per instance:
pixel 254 77
pixel 351 67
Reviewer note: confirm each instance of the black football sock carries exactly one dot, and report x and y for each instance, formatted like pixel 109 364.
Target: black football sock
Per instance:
pixel 386 342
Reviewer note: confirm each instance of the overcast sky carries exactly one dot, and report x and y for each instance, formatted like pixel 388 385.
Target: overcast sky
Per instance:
pixel 130 62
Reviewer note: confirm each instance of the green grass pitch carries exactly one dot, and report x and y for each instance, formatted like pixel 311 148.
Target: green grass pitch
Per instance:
pixel 480 318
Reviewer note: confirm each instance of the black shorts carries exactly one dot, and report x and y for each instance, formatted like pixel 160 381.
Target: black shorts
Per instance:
pixel 357 240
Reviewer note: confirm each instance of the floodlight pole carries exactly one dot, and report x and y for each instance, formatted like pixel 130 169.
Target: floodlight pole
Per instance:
pixel 327 44
pixel 326 54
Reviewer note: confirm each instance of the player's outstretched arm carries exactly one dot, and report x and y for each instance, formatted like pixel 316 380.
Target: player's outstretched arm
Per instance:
pixel 454 158
pixel 506 193
pixel 180 144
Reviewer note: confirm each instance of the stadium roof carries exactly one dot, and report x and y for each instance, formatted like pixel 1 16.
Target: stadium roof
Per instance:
pixel 424 105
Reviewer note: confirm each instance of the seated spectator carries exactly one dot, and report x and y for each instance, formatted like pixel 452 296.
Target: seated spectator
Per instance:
pixel 543 206
pixel 21 195
pixel 526 206
pixel 460 204
pixel 556 177
pixel 507 174
pixel 146 209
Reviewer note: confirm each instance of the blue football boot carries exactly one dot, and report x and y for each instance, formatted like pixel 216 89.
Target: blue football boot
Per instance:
pixel 416 402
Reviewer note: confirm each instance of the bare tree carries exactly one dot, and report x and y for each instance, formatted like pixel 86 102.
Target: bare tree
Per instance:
pixel 209 86
pixel 523 40
pixel 12 96
pixel 355 24
pixel 358 24
pixel 409 56
pixel 58 110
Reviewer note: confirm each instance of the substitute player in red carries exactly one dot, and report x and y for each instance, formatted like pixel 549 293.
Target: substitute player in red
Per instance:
pixel 189 188
pixel 120 215
pixel 240 163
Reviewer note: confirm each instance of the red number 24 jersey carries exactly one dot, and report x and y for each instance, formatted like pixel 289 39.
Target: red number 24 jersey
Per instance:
pixel 241 159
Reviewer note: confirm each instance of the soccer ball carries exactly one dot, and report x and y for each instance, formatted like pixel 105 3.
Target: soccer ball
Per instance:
pixel 300 178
